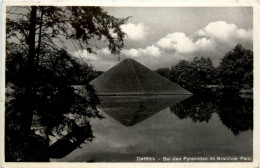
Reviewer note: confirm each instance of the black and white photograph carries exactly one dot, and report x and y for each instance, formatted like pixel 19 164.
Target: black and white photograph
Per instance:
pixel 129 84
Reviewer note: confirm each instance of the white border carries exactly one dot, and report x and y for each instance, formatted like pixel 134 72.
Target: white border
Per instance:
pixel 145 3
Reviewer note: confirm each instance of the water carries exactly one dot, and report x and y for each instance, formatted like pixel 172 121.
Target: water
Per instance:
pixel 169 126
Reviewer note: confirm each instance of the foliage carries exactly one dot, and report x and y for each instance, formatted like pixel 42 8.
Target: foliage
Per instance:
pixel 180 73
pixel 41 75
pixel 236 68
pixel 198 108
pixel 235 112
pixel 193 75
pixel 165 72
pixel 54 96
pixel 235 71
pixel 86 25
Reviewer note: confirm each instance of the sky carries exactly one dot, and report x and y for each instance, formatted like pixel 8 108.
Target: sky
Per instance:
pixel 161 37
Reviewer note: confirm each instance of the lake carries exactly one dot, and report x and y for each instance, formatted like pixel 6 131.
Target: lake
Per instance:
pixel 141 128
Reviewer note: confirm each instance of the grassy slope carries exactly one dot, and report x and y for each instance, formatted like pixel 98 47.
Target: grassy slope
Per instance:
pixel 120 78
pixel 131 77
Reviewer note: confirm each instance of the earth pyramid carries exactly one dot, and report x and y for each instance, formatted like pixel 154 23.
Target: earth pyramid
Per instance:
pixel 129 77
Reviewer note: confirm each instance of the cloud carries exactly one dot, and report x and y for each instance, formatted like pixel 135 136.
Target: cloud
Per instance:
pixel 135 32
pixel 205 44
pixel 131 52
pixel 214 41
pixel 177 41
pixel 214 36
pixel 217 38
pixel 100 54
pixel 84 54
pixel 226 33
pixel 102 60
pixel 151 51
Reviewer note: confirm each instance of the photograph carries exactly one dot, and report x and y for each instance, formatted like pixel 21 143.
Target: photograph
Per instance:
pixel 128 84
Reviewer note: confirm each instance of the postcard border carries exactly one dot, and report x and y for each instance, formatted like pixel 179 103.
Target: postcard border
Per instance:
pixel 112 3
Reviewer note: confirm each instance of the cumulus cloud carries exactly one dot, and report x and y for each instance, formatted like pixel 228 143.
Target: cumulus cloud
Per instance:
pixel 177 41
pixel 205 44
pixel 217 38
pixel 151 51
pixel 212 37
pixel 225 33
pixel 102 60
pixel 84 54
pixel 135 31
pixel 214 40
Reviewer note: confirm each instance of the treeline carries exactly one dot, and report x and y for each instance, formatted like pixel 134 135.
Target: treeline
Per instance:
pixel 201 108
pixel 235 71
pixel 41 74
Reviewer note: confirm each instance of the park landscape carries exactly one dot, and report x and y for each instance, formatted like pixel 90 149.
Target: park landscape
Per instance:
pixel 84 85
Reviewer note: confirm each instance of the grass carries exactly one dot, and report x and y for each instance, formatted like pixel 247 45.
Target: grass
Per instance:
pixel 132 78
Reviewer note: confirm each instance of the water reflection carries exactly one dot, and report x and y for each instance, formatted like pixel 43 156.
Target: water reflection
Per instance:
pixel 236 113
pixel 71 141
pixel 201 125
pixel 198 108
pixel 130 110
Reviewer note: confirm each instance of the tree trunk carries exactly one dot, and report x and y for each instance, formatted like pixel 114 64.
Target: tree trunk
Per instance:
pixel 39 41
pixel 27 111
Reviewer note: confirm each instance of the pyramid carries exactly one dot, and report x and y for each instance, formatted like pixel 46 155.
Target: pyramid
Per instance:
pixel 129 77
pixel 131 110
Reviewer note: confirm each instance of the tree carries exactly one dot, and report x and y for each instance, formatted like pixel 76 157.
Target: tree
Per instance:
pixel 236 68
pixel 40 72
pixel 193 75
pixel 180 73
pixel 202 71
pixel 165 72
pixel 53 102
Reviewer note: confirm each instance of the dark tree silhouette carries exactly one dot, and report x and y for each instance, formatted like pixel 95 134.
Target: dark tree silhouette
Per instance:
pixel 236 68
pixel 193 75
pixel 198 107
pixel 236 113
pixel 40 73
pixel 165 72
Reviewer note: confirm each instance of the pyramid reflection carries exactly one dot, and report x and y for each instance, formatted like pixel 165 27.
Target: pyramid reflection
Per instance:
pixel 130 110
